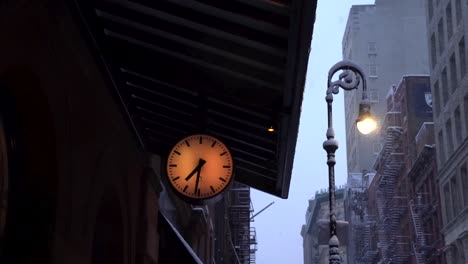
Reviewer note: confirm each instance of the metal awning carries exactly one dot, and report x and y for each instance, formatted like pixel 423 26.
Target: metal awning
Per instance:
pixel 229 68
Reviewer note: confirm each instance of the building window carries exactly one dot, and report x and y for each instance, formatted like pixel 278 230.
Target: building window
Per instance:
pixel 461 52
pixel 448 203
pixel 441 147
pixel 448 17
pixel 453 73
pixel 372 70
pixel 464 178
pixel 353 159
pixel 445 88
pixel 372 48
pixel 374 96
pixel 458 125
pixel 448 133
pixel 433 50
pixel 430 9
pixel 440 29
pixel 458 10
pixel 454 189
pixel 436 99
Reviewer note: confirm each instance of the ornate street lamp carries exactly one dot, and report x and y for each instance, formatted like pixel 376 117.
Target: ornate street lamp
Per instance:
pixel 349 79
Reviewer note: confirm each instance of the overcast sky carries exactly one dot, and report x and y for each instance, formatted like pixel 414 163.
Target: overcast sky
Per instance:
pixel 278 227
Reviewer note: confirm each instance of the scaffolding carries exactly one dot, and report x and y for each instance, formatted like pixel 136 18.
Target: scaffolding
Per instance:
pixel 390 206
pixel 242 234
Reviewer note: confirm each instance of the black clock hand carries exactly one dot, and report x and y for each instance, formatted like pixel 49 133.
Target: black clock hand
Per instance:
pixel 201 162
pixel 197 181
pixel 192 173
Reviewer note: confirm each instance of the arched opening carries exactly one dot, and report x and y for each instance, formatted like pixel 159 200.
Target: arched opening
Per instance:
pixel 108 246
pixel 30 180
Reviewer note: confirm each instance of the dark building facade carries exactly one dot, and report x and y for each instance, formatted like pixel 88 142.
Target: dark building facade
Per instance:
pixel 425 213
pixel 93 93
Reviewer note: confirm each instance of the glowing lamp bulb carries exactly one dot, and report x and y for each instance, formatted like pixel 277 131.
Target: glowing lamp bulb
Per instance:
pixel 271 129
pixel 366 125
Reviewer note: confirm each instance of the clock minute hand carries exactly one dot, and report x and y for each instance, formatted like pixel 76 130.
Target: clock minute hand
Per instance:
pixel 201 162
pixel 197 181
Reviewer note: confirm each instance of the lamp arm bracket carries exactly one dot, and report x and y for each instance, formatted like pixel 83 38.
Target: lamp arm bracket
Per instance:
pixel 349 79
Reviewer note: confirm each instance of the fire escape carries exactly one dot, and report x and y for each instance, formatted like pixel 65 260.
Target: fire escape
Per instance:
pixel 421 209
pixel 243 236
pixel 361 225
pixel 390 207
pixel 368 253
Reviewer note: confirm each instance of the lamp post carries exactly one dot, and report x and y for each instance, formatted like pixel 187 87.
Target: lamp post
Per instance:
pixel 349 79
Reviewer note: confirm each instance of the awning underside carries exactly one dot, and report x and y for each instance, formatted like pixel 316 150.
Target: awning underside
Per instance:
pixel 226 68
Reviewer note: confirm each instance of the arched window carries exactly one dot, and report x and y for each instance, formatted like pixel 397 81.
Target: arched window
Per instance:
pixel 3 180
pixel 6 158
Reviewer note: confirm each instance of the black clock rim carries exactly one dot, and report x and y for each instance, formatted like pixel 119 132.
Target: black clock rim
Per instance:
pixel 201 200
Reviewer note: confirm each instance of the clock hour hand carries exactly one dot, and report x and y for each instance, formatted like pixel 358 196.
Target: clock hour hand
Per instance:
pixel 201 162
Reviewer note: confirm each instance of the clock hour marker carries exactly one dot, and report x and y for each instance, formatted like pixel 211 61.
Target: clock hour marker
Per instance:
pixel 176 178
pixel 201 140
pixel 186 142
pixel 185 188
pixel 222 179
pixel 198 192
pixel 212 189
pixel 172 165
pixel 222 154
pixel 214 143
pixel 176 152
pixel 226 166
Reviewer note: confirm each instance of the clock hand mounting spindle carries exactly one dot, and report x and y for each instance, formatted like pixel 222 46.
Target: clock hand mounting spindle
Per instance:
pixel 201 162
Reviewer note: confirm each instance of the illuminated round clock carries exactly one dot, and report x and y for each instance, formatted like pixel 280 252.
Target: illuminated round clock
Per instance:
pixel 199 167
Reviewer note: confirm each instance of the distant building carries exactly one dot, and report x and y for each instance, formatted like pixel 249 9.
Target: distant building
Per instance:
pixel 447 22
pixel 316 231
pixel 403 191
pixel 388 40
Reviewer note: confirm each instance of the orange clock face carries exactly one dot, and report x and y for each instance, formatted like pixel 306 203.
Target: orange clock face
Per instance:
pixel 200 167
